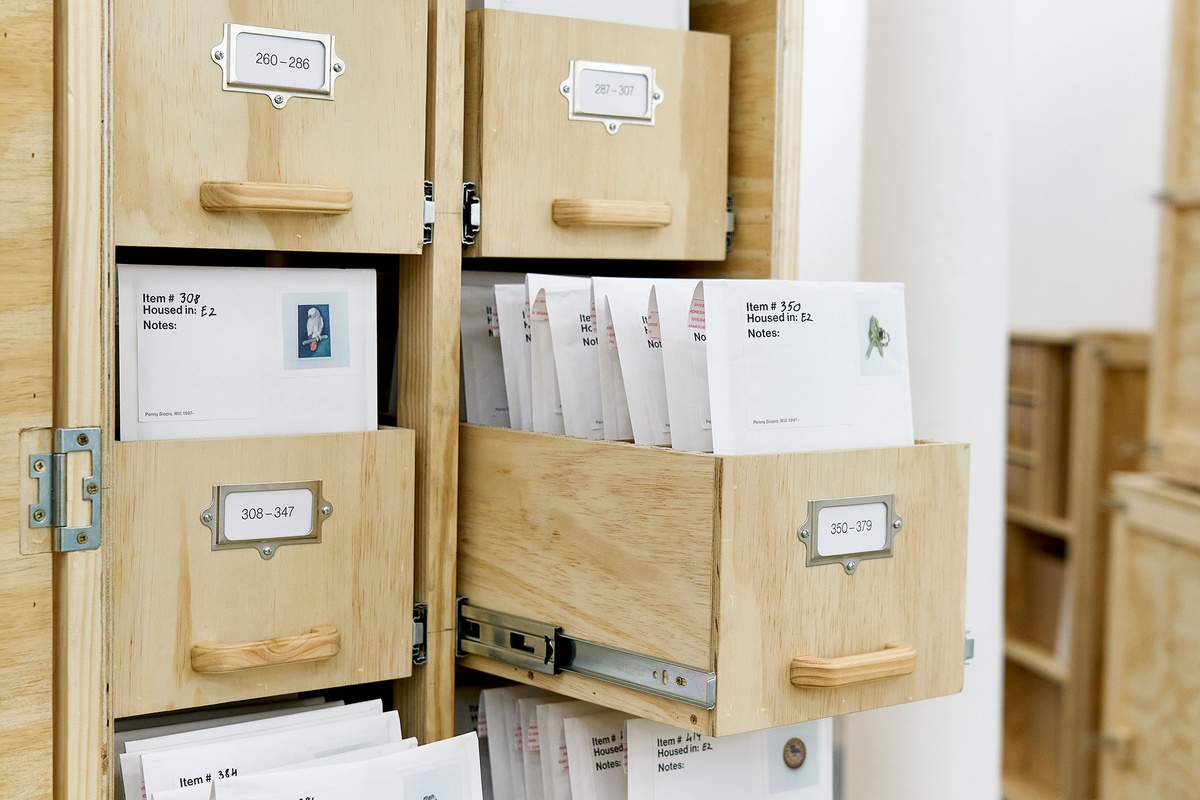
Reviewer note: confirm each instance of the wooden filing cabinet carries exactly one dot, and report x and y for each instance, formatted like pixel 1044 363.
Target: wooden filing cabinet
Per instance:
pixel 1150 742
pixel 569 167
pixel 705 569
pixel 339 167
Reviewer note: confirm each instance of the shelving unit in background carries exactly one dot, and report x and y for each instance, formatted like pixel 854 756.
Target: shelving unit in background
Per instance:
pixel 1076 409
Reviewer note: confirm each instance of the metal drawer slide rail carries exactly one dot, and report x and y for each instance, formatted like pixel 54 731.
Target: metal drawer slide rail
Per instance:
pixel 543 648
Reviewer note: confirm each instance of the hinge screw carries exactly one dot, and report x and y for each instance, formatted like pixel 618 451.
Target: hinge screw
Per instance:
pixel 82 538
pixel 39 515
pixel 206 517
pixel 39 465
pixel 220 54
pixel 326 510
pixel 337 67
pixel 92 488
pixel 82 439
pixel 897 523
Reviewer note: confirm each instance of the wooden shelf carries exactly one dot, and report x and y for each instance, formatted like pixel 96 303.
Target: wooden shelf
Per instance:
pixel 1057 527
pixel 1037 660
pixel 1019 789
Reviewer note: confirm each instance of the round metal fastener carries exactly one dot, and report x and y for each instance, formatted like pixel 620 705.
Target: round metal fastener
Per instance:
pixel 82 538
pixel 612 126
pixel 566 89
pixel 851 566
pixel 794 753
pixel 326 510
pixel 804 533
pixel 82 439
pixel 658 95
pixel 92 488
pixel 268 551
pixel 338 68
pixel 220 54
pixel 277 99
pixel 206 517
pixel 897 523
pixel 39 465
pixel 39 516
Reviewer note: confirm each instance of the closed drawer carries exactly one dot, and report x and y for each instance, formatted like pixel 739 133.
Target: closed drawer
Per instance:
pixel 197 622
pixel 611 182
pixel 697 562
pixel 199 165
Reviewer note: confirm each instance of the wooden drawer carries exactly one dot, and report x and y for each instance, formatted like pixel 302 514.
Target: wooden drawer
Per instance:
pixel 696 561
pixel 173 590
pixel 552 186
pixel 1151 703
pixel 343 174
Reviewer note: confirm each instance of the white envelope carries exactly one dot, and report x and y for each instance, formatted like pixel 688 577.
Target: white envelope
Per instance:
pixel 230 351
pixel 795 366
pixel 566 383
pixel 512 310
pixel 447 769
pixel 197 766
pixel 552 737
pixel 613 397
pixel 639 356
pixel 468 718
pixel 498 711
pixel 483 382
pixel 669 313
pixel 531 743
pixel 596 751
pixel 658 14
pixel 794 762
pixel 131 759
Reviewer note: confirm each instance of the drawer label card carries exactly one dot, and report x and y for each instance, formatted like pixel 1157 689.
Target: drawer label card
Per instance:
pixel 611 94
pixel 266 516
pixel 278 63
pixel 849 530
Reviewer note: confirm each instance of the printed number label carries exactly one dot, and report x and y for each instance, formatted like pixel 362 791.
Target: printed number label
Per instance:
pixel 279 62
pixel 613 94
pixel 860 528
pixel 271 514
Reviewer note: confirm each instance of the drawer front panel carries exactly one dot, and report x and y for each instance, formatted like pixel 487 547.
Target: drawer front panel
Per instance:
pixel 345 173
pixel 340 606
pixel 558 187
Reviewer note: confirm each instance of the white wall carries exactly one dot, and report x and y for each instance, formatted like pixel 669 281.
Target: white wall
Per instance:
pixel 936 158
pixel 1089 84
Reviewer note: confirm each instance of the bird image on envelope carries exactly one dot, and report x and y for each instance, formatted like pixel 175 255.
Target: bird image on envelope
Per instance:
pixel 314 342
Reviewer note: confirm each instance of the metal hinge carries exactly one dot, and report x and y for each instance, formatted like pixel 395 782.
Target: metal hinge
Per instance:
pixel 729 222
pixel 541 647
pixel 472 214
pixel 430 212
pixel 420 627
pixel 968 647
pixel 50 470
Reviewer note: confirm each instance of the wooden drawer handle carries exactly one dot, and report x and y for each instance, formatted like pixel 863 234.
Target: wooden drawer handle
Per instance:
pixel 291 198
pixel 895 659
pixel 321 642
pixel 611 213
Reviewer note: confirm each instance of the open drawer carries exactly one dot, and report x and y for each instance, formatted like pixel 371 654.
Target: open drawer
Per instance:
pixel 717 594
pixel 596 140
pixel 262 566
pixel 262 125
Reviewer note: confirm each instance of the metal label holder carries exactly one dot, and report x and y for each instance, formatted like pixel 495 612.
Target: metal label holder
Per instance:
pixel 810 535
pixel 611 122
pixel 224 55
pixel 214 517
